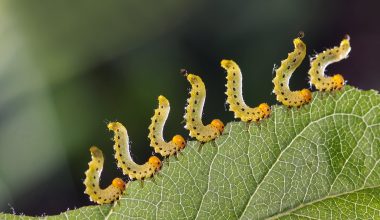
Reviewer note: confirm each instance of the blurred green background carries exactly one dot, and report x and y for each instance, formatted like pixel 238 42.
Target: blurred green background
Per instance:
pixel 69 67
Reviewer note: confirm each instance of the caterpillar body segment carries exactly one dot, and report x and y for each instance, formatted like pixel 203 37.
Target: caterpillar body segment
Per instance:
pixel 156 131
pixel 124 159
pixel 194 110
pixel 235 95
pixel 322 60
pixel 98 195
pixel 283 74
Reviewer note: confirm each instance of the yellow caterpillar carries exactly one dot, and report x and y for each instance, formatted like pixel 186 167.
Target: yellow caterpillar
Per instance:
pixel 194 109
pixel 156 131
pixel 124 159
pixel 283 74
pixel 98 195
pixel 235 95
pixel 322 60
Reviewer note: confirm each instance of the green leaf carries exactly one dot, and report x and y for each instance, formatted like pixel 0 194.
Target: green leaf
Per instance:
pixel 318 162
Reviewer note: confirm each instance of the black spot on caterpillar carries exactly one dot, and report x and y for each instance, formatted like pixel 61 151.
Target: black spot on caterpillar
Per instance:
pixel 235 95
pixel 322 60
pixel 98 195
pixel 156 131
pixel 124 159
pixel 194 109
pixel 283 74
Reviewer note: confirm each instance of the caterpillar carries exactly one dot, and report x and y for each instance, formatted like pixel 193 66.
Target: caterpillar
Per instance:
pixel 322 60
pixel 98 195
pixel 194 109
pixel 124 159
pixel 235 95
pixel 283 74
pixel 156 131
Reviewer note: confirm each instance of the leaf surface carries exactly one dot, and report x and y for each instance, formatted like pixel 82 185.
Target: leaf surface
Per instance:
pixel 318 162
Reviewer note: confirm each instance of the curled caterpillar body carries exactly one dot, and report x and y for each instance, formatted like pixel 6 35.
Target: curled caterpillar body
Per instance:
pixel 124 159
pixel 194 109
pixel 322 60
pixel 156 131
pixel 98 195
pixel 283 74
pixel 235 95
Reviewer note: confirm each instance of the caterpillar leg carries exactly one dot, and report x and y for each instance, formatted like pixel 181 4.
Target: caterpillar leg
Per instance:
pixel 248 125
pixel 157 175
pixel 98 195
pixel 167 161
pixel 214 143
pixel 176 157
pixel 153 180
pixel 200 146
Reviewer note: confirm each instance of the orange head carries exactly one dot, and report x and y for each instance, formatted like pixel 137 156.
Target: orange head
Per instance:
pixel 218 124
pixel 265 108
pixel 179 141
pixel 306 94
pixel 118 183
pixel 155 162
pixel 338 80
pixel 163 101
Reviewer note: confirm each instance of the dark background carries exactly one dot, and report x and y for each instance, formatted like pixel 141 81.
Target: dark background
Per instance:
pixel 69 67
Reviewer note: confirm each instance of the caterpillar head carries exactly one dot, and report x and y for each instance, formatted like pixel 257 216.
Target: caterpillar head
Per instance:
pixel 155 162
pixel 163 101
pixel 218 124
pixel 306 94
pixel 265 108
pixel 338 81
pixel 118 183
pixel 183 72
pixel 179 141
